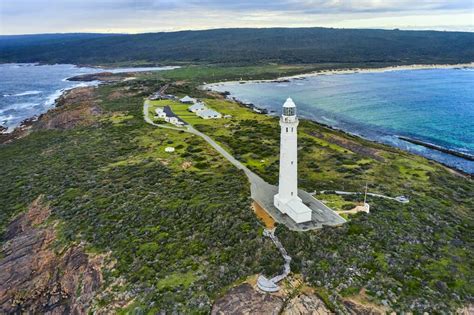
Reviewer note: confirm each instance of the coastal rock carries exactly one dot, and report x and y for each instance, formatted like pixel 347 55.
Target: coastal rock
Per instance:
pixel 306 303
pixel 80 110
pixel 103 77
pixel 356 308
pixel 75 107
pixel 34 278
pixel 244 299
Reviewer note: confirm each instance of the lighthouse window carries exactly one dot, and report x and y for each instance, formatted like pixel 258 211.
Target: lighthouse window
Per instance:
pixel 288 111
pixel 292 193
pixel 286 129
pixel 291 129
pixel 291 162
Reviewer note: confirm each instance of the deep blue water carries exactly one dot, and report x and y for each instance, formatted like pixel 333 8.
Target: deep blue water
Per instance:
pixel 435 106
pixel 27 90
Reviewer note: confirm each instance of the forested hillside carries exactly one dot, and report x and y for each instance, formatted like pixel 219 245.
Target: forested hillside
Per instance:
pixel 281 45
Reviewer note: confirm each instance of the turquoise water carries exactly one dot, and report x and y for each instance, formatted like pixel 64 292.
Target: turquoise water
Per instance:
pixel 434 106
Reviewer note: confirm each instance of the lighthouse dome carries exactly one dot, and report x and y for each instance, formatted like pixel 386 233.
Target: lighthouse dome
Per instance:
pixel 289 108
pixel 289 103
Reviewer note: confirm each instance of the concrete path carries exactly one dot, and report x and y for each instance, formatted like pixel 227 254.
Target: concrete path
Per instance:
pixel 261 191
pixel 271 285
pixel 400 199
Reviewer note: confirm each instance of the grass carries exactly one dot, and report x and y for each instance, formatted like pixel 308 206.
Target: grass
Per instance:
pixel 176 280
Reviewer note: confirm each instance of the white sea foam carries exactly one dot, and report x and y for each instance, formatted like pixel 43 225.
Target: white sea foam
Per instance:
pixel 16 106
pixel 53 97
pixel 329 119
pixel 25 93
pixel 4 119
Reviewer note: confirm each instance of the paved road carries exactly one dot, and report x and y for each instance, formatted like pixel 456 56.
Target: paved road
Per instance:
pixel 261 191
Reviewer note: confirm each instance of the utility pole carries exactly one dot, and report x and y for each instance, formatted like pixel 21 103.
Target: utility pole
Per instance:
pixel 365 195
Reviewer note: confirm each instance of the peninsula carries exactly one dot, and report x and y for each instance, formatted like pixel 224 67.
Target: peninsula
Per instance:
pixel 151 194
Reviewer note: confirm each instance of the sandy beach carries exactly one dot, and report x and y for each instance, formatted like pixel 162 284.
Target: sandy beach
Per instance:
pixel 353 70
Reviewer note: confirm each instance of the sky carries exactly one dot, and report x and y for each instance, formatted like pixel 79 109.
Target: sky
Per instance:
pixel 139 16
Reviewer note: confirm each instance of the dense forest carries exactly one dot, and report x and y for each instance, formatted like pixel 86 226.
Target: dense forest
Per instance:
pixel 244 46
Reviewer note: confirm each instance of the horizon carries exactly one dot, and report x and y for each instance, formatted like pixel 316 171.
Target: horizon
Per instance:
pixel 240 28
pixel 152 16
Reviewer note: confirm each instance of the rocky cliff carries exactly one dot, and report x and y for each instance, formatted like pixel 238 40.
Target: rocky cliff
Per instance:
pixel 34 278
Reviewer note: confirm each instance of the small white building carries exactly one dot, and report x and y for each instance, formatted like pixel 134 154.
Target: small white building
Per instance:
pixel 188 100
pixel 172 120
pixel 209 114
pixel 160 112
pixel 197 107
pixel 169 149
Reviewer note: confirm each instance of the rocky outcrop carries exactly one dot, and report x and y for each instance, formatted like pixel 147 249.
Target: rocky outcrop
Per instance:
pixel 306 303
pixel 356 308
pixel 245 299
pixel 75 107
pixel 102 76
pixel 467 310
pixel 35 279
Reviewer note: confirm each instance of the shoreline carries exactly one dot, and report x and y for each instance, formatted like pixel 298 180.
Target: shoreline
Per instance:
pixel 435 148
pixel 428 145
pixel 101 76
pixel 51 103
pixel 27 123
pixel 429 156
pixel 451 168
pixel 303 76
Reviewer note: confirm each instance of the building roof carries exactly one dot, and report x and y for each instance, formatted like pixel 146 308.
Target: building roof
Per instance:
pixel 289 103
pixel 298 207
pixel 197 106
pixel 169 113
pixel 159 110
pixel 187 99
pixel 208 113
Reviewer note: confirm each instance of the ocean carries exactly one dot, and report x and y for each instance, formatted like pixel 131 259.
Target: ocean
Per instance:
pixel 434 106
pixel 28 90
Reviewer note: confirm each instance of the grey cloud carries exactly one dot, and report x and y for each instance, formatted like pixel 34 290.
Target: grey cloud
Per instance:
pixel 135 15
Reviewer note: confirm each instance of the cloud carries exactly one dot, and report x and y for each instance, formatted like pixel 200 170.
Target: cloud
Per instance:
pixel 33 16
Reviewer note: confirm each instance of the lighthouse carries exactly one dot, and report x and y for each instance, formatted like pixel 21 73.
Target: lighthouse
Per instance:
pixel 287 200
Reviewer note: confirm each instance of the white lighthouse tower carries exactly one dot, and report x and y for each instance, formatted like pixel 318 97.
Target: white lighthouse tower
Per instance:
pixel 287 200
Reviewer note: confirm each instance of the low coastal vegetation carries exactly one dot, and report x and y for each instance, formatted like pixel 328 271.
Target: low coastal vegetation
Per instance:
pixel 178 226
pixel 411 256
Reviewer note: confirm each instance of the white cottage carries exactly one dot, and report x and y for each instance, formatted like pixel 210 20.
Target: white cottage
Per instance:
pixel 197 107
pixel 188 100
pixel 160 112
pixel 209 114
pixel 172 120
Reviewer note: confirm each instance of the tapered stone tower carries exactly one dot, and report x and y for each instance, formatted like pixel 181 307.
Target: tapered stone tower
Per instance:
pixel 287 200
